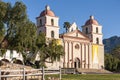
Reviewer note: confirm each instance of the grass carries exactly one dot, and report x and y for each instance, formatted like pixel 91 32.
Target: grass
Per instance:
pixel 88 76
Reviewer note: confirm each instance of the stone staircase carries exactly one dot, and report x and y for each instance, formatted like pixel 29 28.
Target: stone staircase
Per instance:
pixel 93 71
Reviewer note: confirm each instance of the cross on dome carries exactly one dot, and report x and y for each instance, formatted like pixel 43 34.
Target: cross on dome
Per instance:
pixel 91 17
pixel 47 7
pixel 91 21
pixel 47 12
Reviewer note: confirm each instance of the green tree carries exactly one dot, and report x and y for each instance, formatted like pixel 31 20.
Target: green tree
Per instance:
pixel 10 16
pixel 2 31
pixel 14 15
pixel 20 31
pixel 23 40
pixel 50 53
pixel 3 7
pixel 3 10
pixel 22 36
pixel 111 63
pixel 108 63
pixel 56 50
pixel 66 25
pixel 116 52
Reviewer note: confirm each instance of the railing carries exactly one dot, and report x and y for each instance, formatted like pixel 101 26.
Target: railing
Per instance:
pixel 24 74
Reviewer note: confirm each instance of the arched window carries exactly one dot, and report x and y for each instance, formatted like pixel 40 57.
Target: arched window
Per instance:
pixel 86 30
pixel 96 29
pixel 40 22
pixel 97 40
pixel 52 22
pixel 52 34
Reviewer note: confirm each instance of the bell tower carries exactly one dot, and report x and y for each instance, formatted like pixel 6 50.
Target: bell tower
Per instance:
pixel 48 23
pixel 94 31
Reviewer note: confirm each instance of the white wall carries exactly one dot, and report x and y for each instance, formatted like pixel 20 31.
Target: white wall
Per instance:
pixel 48 20
pixel 8 55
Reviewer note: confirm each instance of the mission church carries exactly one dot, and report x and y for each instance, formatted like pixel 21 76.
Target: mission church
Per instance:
pixel 83 49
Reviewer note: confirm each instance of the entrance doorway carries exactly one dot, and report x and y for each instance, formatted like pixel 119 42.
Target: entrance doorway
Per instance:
pixel 77 63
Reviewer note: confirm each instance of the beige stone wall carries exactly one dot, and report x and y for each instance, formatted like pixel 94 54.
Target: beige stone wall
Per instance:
pixel 90 56
pixel 97 36
pixel 72 53
pixel 101 56
pixel 9 56
pixel 66 55
pixel 54 65
pixel 52 28
pixel 48 20
pixel 99 28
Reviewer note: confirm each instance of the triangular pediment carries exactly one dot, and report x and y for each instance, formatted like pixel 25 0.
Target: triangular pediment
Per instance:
pixel 76 34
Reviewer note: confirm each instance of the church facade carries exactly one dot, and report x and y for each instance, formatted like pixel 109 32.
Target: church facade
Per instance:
pixel 83 49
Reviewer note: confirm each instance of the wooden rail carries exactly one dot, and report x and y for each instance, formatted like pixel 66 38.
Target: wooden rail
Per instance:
pixel 23 73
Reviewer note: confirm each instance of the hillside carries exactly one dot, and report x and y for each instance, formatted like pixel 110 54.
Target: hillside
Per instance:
pixel 111 43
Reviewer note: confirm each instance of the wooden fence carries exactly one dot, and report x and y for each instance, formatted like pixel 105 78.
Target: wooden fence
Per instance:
pixel 24 74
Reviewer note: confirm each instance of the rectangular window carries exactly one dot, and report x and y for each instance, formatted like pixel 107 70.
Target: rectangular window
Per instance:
pixel 96 29
pixel 40 22
pixel 52 22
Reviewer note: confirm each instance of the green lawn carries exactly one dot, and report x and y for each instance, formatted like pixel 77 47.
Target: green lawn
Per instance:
pixel 90 77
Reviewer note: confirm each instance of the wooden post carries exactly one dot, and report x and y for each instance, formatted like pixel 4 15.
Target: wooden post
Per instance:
pixel 60 72
pixel 23 73
pixel 0 73
pixel 43 74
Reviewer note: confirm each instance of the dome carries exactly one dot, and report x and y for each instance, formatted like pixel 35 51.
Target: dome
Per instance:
pixel 91 21
pixel 47 11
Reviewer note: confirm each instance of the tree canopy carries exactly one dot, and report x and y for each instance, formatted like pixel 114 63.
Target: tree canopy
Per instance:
pixel 112 60
pixel 21 35
pixel 50 52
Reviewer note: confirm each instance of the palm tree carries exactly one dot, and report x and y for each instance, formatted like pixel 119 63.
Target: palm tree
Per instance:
pixel 66 26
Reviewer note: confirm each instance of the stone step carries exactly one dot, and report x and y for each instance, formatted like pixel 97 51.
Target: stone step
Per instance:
pixel 99 71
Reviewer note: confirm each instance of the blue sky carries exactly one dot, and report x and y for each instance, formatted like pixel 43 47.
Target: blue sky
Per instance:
pixel 106 12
